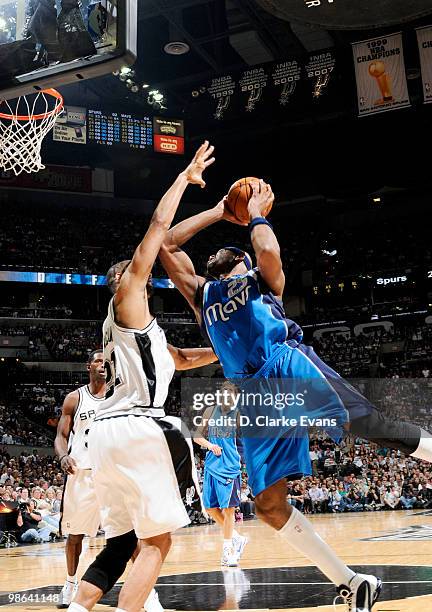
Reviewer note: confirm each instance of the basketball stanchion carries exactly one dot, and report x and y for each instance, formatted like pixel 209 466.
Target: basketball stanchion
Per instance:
pixel 23 126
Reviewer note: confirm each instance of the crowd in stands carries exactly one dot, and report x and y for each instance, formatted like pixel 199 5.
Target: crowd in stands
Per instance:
pixel 356 477
pixel 31 485
pixel 362 478
pixel 386 242
pixel 51 341
pixel 350 354
pixel 16 428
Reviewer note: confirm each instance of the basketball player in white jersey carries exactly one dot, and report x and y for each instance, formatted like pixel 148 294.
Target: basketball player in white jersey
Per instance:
pixel 132 448
pixel 80 510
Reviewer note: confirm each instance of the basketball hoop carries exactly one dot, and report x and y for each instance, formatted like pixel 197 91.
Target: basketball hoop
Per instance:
pixel 21 135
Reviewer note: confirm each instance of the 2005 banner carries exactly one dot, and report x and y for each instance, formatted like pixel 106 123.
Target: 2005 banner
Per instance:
pixel 380 74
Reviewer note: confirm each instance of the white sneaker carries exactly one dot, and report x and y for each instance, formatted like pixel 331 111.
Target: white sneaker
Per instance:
pixel 361 593
pixel 152 603
pixel 229 557
pixel 239 542
pixel 67 594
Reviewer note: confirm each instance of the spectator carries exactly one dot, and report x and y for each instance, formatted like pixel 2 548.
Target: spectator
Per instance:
pixel 247 506
pixel 28 522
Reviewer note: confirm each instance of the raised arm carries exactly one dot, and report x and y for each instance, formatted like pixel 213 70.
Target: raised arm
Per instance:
pixel 64 429
pixel 264 241
pixel 189 358
pixel 128 299
pixel 178 265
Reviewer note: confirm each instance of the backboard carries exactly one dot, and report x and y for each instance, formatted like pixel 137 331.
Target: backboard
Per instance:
pixel 49 43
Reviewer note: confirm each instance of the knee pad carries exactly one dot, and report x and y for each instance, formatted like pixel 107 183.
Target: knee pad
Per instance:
pixel 387 433
pixel 110 564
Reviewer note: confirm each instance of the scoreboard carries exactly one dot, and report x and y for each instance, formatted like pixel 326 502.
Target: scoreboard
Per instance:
pixel 119 129
pixel 142 132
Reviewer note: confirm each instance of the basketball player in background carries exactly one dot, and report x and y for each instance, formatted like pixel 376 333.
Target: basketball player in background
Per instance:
pixel 240 311
pixel 222 468
pixel 80 514
pixel 139 459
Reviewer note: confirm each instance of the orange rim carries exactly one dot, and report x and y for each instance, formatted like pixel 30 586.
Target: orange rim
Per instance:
pixel 50 92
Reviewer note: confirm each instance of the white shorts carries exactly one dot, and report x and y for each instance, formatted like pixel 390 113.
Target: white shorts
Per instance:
pixel 80 509
pixel 134 476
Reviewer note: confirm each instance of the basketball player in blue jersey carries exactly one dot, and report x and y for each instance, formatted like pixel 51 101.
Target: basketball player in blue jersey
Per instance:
pixel 240 310
pixel 222 482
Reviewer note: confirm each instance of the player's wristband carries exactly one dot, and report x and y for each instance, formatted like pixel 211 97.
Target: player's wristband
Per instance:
pixel 258 221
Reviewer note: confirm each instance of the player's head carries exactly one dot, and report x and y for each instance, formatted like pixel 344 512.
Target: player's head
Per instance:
pixel 226 259
pixel 115 274
pixel 95 366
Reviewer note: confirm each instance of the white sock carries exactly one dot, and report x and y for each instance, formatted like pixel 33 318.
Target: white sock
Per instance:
pixel 74 607
pixel 300 534
pixel 424 449
pixel 235 534
pixel 71 578
pixel 227 543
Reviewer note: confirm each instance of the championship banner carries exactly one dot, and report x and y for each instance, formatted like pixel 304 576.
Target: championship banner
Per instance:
pixel 221 89
pixel 380 75
pixel 319 69
pixel 424 37
pixel 252 82
pixel 286 74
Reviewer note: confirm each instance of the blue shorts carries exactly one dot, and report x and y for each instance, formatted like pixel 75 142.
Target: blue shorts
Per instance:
pixel 218 494
pixel 275 452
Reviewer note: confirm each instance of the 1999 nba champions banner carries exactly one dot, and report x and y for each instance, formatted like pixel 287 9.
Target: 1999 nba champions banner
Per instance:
pixel 424 37
pixel 380 74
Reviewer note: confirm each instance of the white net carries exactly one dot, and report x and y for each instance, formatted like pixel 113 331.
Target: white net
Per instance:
pixel 23 128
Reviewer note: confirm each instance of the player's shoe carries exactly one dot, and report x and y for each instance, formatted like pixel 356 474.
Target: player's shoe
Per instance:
pixel 361 593
pixel 67 594
pixel 239 542
pixel 152 603
pixel 229 557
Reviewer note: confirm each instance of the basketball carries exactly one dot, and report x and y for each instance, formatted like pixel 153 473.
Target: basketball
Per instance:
pixel 238 198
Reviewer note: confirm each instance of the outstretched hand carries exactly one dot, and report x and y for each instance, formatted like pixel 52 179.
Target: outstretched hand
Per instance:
pixel 200 162
pixel 261 200
pixel 226 214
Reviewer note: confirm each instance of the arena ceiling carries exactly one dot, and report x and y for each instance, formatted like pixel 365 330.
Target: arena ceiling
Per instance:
pixel 230 36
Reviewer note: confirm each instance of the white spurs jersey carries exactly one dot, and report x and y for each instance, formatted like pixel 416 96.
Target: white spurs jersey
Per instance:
pixel 139 369
pixel 86 410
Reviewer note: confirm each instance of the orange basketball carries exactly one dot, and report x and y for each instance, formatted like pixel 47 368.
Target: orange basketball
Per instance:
pixel 239 196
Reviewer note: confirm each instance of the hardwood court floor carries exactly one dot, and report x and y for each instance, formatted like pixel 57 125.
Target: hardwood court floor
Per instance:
pixel 272 575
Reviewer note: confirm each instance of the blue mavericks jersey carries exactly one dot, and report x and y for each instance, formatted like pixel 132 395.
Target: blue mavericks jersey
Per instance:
pixel 222 429
pixel 244 322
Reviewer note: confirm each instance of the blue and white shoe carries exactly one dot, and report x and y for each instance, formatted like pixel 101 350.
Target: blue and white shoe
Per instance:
pixel 229 557
pixel 361 593
pixel 239 543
